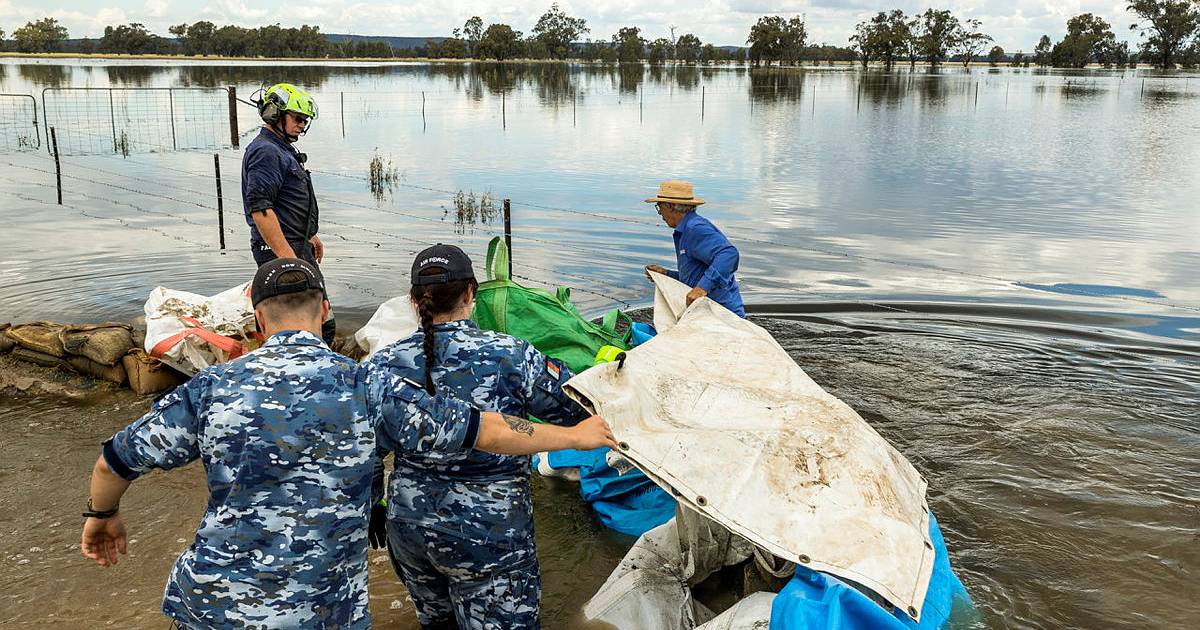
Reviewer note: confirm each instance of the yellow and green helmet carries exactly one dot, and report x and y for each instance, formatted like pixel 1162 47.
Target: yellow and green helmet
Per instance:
pixel 285 97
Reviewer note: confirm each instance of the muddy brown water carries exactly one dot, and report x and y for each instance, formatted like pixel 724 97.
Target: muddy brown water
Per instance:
pixel 1062 465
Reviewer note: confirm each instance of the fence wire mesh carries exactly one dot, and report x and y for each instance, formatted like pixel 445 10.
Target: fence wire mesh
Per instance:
pixel 18 123
pixel 96 121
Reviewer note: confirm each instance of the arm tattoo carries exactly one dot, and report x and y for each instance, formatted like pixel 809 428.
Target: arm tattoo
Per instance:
pixel 518 425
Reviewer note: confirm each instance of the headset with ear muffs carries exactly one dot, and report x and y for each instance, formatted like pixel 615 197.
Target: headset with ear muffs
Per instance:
pixel 270 105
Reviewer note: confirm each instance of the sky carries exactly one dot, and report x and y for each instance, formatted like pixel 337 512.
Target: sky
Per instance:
pixel 1015 24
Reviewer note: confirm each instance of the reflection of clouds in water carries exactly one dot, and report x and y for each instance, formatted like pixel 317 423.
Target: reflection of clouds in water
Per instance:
pixel 1045 189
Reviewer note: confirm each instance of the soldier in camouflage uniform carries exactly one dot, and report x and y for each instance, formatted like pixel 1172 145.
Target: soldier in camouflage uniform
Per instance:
pixel 288 436
pixel 459 524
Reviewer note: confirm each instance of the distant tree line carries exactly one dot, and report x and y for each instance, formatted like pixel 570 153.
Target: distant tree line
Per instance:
pixel 1170 28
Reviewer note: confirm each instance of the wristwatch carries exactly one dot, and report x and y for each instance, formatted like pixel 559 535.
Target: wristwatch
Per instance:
pixel 101 514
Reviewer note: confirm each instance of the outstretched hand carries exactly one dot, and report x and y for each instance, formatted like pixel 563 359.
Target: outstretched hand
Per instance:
pixel 655 269
pixel 103 539
pixel 594 433
pixel 695 294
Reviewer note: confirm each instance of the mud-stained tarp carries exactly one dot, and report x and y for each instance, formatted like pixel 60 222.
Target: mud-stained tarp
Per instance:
pixel 716 411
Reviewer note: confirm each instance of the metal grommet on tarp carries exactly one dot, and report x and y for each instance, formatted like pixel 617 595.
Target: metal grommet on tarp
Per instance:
pixel 804 559
pixel 624 445
pixel 701 501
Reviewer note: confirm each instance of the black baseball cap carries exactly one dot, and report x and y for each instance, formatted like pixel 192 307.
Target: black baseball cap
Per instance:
pixel 454 262
pixel 267 285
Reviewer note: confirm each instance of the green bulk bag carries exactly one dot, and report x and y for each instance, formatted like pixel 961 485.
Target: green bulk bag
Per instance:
pixel 547 320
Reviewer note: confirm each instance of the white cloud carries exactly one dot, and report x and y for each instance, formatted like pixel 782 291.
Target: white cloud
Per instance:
pixel 156 8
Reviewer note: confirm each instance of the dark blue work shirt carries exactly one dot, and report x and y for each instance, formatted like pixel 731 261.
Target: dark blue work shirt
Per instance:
pixel 274 178
pixel 707 260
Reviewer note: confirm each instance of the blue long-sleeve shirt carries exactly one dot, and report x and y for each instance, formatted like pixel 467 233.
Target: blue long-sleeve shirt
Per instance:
pixel 707 259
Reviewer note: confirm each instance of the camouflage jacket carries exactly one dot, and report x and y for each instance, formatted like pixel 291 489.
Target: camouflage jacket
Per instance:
pixel 287 435
pixel 479 496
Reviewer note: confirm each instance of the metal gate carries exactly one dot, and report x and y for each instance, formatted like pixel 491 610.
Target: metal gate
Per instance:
pixel 19 129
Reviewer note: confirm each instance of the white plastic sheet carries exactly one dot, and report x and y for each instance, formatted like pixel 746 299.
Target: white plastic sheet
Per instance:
pixel 170 314
pixel 716 411
pixel 395 319
pixel 751 613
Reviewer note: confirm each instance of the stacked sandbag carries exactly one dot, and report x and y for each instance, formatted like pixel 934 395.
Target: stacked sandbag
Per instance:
pixel 148 375
pixel 6 344
pixel 107 351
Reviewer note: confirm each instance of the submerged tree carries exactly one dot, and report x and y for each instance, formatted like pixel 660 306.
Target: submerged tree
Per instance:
pixel 939 33
pixel 969 41
pixel 499 42
pixel 688 48
pixel 628 43
pixel 1170 24
pixel 884 37
pixel 995 56
pixel 1088 39
pixel 1041 52
pixel 658 51
pixel 472 32
pixel 774 38
pixel 556 31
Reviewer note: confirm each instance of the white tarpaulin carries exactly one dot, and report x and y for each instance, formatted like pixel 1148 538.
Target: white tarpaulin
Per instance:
pixel 395 319
pixel 716 411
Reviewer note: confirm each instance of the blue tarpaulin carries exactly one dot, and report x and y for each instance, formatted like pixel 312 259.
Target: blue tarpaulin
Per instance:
pixel 815 600
pixel 629 503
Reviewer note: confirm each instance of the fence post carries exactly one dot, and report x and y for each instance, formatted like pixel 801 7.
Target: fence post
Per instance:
pixel 233 121
pixel 342 95
pixel 57 165
pixel 220 200
pixel 573 99
pixel 423 110
pixel 112 116
pixel 503 112
pixel 703 91
pixel 508 232
pixel 171 96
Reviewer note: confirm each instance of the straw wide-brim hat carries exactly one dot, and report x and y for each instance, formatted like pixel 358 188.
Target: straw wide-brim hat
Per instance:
pixel 676 191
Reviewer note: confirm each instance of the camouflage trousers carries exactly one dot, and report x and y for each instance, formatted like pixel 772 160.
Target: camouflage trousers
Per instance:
pixel 456 583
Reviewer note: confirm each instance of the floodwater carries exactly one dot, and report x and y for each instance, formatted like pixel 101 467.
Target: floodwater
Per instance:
pixel 996 269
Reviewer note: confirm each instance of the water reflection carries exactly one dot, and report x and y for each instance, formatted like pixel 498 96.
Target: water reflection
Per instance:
pixel 45 75
pixel 774 85
pixel 135 76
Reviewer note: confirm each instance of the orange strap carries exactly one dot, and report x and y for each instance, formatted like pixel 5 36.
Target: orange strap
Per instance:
pixel 230 346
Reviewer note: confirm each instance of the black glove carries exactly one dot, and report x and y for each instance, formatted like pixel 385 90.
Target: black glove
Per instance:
pixel 377 527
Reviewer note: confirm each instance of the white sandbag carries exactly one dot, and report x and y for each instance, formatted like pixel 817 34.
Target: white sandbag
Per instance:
pixel 190 332
pixel 750 613
pixel 395 319
pixel 648 589
pixel 716 411
pixel 651 587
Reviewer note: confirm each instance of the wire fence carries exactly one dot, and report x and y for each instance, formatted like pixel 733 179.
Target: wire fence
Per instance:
pixel 123 121
pixel 19 124
pixel 128 120
pixel 91 121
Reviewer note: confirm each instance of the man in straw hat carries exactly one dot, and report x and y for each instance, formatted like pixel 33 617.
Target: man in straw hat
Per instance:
pixel 707 260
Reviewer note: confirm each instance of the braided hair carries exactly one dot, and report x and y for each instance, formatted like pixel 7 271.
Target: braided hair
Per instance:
pixel 431 300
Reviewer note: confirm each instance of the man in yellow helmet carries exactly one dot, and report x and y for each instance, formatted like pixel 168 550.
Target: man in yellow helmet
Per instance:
pixel 277 192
